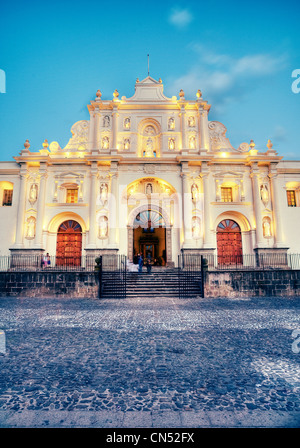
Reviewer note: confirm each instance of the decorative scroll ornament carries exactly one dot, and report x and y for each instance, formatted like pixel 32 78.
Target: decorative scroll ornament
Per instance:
pixel 244 147
pixel 218 139
pixel 79 139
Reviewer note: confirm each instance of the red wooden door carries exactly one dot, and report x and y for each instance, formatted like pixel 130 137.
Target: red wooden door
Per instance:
pixel 69 244
pixel 229 243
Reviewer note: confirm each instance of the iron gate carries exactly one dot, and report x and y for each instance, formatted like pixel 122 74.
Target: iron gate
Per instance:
pixel 190 276
pixel 112 276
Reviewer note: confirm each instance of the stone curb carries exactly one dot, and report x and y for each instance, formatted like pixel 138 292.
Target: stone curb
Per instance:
pixel 148 419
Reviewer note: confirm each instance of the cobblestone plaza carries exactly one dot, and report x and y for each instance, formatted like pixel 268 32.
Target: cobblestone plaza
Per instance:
pixel 149 362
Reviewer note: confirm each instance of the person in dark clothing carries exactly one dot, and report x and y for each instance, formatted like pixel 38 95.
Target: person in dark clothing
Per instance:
pixel 141 263
pixel 149 265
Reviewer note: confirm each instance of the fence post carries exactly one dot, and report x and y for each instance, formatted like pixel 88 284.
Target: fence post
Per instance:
pixel 100 278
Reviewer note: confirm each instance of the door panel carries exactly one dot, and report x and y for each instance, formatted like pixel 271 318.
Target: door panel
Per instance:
pixel 229 243
pixel 69 244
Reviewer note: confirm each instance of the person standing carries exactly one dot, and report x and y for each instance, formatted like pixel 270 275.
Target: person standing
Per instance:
pixel 140 263
pixel 149 266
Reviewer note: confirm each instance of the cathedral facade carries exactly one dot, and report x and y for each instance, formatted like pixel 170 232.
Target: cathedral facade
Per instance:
pixel 152 175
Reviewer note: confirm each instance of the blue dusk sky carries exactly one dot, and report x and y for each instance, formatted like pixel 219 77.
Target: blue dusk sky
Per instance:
pixel 55 56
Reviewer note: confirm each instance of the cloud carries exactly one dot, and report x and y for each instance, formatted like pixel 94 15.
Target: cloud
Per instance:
pixel 223 78
pixel 180 17
pixel 279 134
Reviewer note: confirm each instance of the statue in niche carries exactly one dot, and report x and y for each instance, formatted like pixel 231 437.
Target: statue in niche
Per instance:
pixel 149 130
pixel 171 124
pixel 33 193
pixel 192 142
pixel 126 143
pixel 149 147
pixel 196 227
pixel 191 121
pixel 264 194
pixel 106 121
pixel 30 227
pixel 266 228
pixel 105 143
pixel 171 143
pixel 149 189
pixel 194 191
pixel 127 123
pixel 103 227
pixel 103 192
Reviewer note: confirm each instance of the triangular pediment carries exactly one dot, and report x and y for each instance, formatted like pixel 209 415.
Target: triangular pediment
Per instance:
pixel 68 175
pixel 149 80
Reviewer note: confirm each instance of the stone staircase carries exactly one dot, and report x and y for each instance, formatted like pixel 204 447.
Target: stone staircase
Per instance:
pixel 162 282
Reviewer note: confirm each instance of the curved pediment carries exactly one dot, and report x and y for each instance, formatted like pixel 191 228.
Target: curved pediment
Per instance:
pixel 148 90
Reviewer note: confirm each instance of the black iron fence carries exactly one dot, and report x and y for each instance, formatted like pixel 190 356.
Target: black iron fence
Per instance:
pixel 112 276
pixel 262 261
pixel 39 262
pixel 190 276
pixel 258 261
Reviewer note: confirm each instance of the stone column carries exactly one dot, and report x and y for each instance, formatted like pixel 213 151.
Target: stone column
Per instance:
pixel 257 208
pixel 96 127
pixel 91 131
pixel 113 211
pixel 38 243
pixel 205 142
pixel 186 211
pixel 279 239
pixel 21 210
pixel 208 242
pixel 92 209
pixel 114 129
pixel 182 125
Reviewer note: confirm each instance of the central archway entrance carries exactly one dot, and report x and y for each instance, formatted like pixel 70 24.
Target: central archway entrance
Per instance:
pixel 149 236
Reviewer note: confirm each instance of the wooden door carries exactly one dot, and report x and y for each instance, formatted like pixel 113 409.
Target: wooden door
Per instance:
pixel 229 243
pixel 69 244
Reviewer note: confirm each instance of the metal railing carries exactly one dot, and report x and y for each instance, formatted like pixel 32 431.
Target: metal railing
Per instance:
pixel 260 261
pixel 53 263
pixel 190 275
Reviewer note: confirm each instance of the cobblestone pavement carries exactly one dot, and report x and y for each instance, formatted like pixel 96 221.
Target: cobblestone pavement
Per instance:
pixel 130 363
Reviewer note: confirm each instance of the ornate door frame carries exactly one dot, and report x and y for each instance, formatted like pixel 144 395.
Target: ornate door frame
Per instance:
pixel 168 228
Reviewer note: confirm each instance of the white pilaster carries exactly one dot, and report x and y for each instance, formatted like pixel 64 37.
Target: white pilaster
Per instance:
pixel 204 134
pixel 208 237
pixel 187 211
pixel 257 208
pixel 115 116
pixel 182 126
pixel 92 209
pixel 38 242
pixel 21 210
pixel 113 210
pixel 279 239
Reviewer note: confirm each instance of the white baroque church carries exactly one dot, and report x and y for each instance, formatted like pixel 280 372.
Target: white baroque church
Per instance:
pixel 152 175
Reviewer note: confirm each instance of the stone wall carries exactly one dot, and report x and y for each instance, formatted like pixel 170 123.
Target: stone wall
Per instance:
pixel 48 284
pixel 283 282
pixel 254 283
